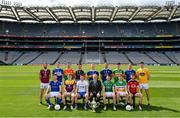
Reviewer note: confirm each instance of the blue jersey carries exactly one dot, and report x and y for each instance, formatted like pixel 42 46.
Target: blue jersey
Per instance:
pixel 104 73
pixel 59 73
pixel 128 74
pixel 91 72
pixel 55 86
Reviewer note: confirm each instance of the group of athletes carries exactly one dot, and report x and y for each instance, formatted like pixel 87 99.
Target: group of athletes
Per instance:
pixel 116 84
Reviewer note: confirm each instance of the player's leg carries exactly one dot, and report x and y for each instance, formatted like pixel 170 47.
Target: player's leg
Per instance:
pixel 139 95
pixel 117 97
pixel 86 101
pixel 41 95
pixel 48 96
pixel 104 100
pixel 76 96
pixel 147 94
pixel 72 100
pixel 59 99
pixel 131 100
pixel 114 100
pixel 64 100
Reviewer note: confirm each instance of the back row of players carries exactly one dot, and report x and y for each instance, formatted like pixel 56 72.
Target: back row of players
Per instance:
pixel 115 84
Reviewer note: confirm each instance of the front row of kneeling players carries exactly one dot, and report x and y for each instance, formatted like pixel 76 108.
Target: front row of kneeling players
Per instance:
pixel 83 89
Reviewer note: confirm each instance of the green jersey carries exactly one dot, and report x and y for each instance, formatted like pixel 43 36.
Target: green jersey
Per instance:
pixel 108 86
pixel 116 72
pixel 120 85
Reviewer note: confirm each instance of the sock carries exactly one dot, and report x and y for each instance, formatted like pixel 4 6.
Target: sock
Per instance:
pixel 48 101
pixel 59 101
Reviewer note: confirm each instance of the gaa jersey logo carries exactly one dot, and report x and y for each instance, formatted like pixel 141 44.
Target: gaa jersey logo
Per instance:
pixel 142 74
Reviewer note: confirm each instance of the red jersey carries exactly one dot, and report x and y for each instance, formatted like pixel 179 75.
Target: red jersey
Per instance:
pixel 133 85
pixel 44 75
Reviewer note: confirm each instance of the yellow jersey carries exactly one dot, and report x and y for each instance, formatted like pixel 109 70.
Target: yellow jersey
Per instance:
pixel 143 74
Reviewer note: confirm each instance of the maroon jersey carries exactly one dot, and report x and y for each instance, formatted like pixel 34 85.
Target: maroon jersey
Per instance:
pixel 45 75
pixel 133 85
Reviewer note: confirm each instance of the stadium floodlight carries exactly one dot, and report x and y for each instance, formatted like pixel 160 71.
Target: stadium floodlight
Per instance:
pixel 7 31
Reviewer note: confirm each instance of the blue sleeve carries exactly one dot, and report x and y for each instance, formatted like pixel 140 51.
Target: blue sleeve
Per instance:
pixel 110 72
pixel 101 72
pixel 97 73
pixel 88 73
pixel 62 71
pixel 53 71
pixel 50 83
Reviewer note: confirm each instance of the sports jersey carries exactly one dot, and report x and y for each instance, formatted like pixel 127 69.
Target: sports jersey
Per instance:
pixel 108 86
pixel 120 86
pixel 55 86
pixel 104 73
pixel 91 72
pixel 68 71
pixel 133 84
pixel 128 74
pixel 117 72
pixel 143 75
pixel 78 73
pixel 45 75
pixel 81 85
pixel 69 85
pixel 59 73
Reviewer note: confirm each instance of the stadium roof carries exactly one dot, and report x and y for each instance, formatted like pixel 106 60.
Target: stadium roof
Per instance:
pixel 89 13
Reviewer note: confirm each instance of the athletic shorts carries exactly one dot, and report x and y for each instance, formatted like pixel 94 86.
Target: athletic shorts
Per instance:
pixel 122 93
pixel 109 94
pixel 44 85
pixel 144 86
pixel 54 94
pixel 68 93
pixel 82 94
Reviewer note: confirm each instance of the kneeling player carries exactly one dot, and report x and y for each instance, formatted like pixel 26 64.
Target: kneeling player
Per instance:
pixel 82 90
pixel 121 89
pixel 133 89
pixel 69 90
pixel 55 91
pixel 108 88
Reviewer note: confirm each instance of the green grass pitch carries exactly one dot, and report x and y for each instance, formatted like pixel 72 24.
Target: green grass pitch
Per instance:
pixel 19 94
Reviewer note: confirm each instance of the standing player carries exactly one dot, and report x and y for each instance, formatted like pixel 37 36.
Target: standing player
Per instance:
pixel 68 71
pixel 144 76
pixel 121 89
pixel 117 72
pixel 105 72
pixel 59 72
pixel 133 89
pixel 129 72
pixel 69 91
pixel 82 91
pixel 55 91
pixel 79 72
pixel 44 76
pixel 91 72
pixel 108 88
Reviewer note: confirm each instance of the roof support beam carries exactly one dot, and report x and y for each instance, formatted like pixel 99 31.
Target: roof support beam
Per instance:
pixel 31 14
pixel 172 13
pixel 52 14
pixel 113 14
pixel 72 14
pixel 15 13
pixel 156 13
pixel 93 13
pixel 135 13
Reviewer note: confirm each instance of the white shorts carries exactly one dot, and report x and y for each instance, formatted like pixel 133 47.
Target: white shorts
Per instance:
pixel 109 94
pixel 144 86
pixel 68 93
pixel 122 93
pixel 54 94
pixel 44 85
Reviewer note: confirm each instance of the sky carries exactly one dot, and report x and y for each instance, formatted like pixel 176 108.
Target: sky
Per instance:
pixel 93 2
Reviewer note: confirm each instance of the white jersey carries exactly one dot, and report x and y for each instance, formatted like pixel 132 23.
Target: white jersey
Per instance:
pixel 81 86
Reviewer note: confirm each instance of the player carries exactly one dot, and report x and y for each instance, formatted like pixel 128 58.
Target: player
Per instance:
pixel 129 72
pixel 79 72
pixel 95 88
pixel 121 89
pixel 117 72
pixel 91 72
pixel 133 90
pixel 44 76
pixel 55 91
pixel 59 72
pixel 109 92
pixel 69 91
pixel 68 71
pixel 82 90
pixel 143 75
pixel 105 72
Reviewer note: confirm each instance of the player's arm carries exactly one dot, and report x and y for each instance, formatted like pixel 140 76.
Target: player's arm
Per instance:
pixel 87 88
pixel 40 75
pixel 114 89
pixel 74 88
pixel 148 75
pixel 60 89
pixel 64 87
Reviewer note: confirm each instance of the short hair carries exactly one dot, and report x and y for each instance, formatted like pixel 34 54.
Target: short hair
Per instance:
pixel 119 63
pixel 141 62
